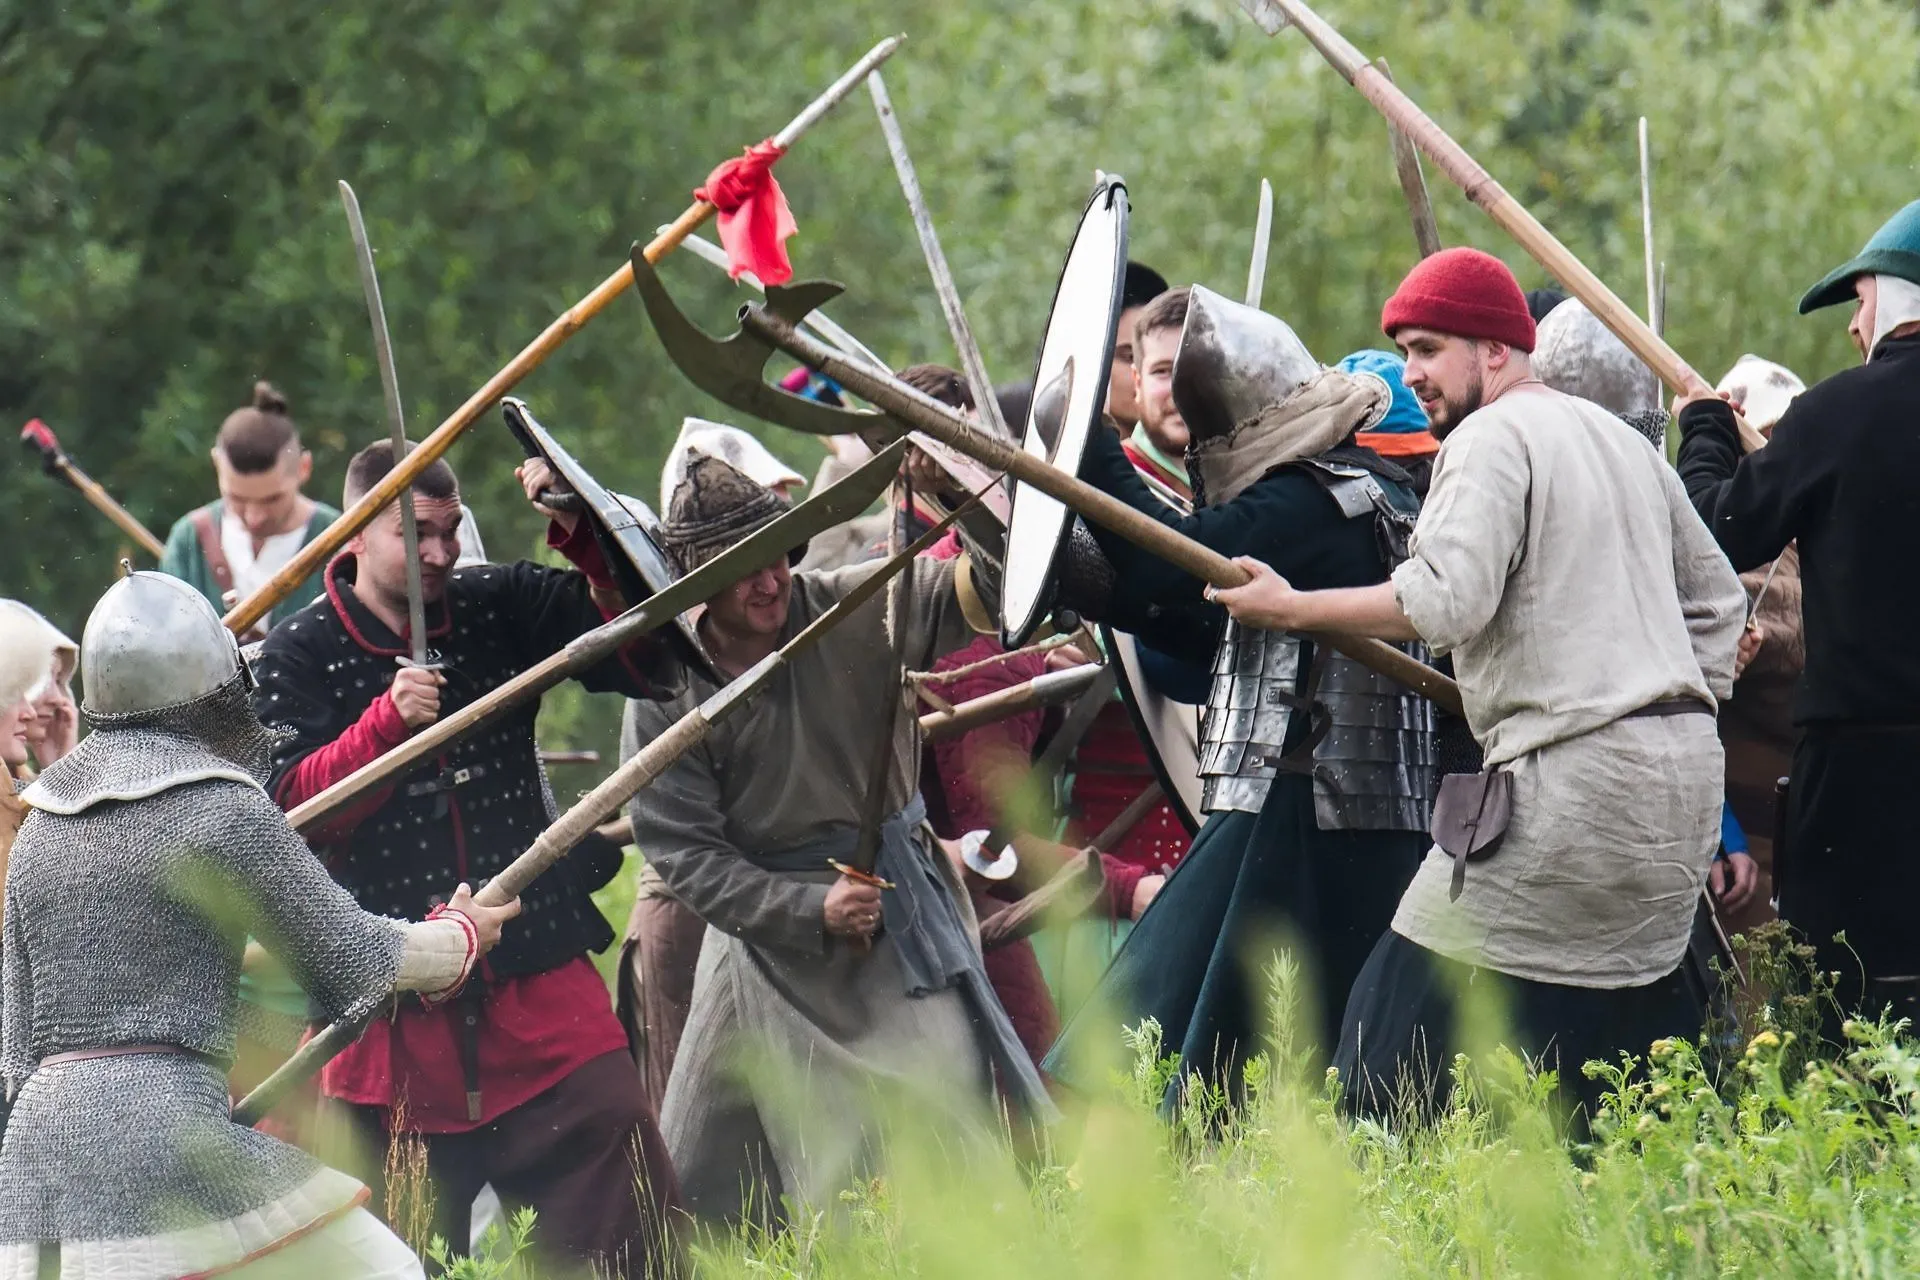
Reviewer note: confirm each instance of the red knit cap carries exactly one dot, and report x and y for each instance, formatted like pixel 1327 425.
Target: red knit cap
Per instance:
pixel 1463 292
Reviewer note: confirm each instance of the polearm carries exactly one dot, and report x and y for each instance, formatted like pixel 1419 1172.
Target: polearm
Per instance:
pixel 1262 239
pixel 1480 187
pixel 831 506
pixel 39 437
pixel 713 255
pixel 580 821
pixel 396 419
pixel 1203 562
pixel 1655 320
pixel 316 553
pixel 1413 183
pixel 985 402
pixel 1048 690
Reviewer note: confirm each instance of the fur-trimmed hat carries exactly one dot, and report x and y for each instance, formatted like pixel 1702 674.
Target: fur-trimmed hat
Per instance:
pixel 714 506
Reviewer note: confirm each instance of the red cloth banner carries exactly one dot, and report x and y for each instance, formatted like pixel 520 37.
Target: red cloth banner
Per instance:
pixel 754 219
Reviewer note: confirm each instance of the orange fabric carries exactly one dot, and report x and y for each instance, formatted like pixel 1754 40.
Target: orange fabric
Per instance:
pixel 1398 444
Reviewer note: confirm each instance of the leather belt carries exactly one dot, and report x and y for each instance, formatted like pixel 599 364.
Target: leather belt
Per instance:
pixel 447 780
pixel 112 1051
pixel 1670 707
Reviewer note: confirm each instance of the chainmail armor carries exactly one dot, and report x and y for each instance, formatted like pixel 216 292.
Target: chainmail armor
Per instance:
pixel 124 925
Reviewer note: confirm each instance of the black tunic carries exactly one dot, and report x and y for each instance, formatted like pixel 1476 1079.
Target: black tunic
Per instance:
pixel 474 808
pixel 1251 880
pixel 1839 477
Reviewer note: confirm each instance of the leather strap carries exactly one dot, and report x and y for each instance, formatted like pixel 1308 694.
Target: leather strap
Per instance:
pixel 111 1051
pixel 1670 707
pixel 210 548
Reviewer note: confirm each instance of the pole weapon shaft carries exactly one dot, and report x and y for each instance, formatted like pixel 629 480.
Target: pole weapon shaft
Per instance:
pixel 713 255
pixel 941 423
pixel 316 553
pixel 594 808
pixel 1262 240
pixel 396 420
pixel 943 284
pixel 1480 187
pixel 38 436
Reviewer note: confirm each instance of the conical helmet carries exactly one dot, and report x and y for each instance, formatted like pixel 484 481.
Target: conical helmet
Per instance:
pixel 151 643
pixel 1573 352
pixel 1234 361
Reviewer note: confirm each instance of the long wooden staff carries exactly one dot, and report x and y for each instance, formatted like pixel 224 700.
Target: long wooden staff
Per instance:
pixel 938 421
pixel 596 806
pixel 39 437
pixel 1479 186
pixel 831 506
pixel 316 553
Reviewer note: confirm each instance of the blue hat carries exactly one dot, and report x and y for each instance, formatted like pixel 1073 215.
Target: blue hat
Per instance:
pixel 1404 413
pixel 1893 251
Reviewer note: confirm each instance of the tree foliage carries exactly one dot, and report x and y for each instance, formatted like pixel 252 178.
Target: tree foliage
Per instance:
pixel 171 230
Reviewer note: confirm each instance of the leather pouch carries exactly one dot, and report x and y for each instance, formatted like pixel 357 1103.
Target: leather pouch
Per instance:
pixel 1470 818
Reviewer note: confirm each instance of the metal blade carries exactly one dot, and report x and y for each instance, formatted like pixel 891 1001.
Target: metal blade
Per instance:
pixel 1646 228
pixel 1413 181
pixel 985 403
pixel 396 421
pixel 1262 237
pixel 866 847
pixel 713 255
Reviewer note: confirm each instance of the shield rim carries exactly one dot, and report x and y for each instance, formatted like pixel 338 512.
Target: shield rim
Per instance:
pixel 594 498
pixel 1109 188
pixel 1123 647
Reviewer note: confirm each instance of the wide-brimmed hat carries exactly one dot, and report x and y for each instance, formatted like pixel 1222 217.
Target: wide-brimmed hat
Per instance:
pixel 1893 251
pixel 714 506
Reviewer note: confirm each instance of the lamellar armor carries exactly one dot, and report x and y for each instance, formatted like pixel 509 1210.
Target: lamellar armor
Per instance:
pixel 1368 744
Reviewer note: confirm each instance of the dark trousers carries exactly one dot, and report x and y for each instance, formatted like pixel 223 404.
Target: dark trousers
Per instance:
pixel 654 991
pixel 1846 864
pixel 1400 1033
pixel 586 1156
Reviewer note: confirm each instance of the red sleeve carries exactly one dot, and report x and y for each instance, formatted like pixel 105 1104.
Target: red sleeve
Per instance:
pixel 966 765
pixel 582 551
pixel 1122 879
pixel 378 731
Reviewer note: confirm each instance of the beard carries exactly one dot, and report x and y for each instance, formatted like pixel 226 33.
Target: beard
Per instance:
pixel 1451 411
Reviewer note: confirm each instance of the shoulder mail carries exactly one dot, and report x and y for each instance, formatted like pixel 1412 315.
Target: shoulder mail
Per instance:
pixel 129 764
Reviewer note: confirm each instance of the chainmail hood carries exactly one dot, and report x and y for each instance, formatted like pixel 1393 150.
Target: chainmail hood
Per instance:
pixel 133 755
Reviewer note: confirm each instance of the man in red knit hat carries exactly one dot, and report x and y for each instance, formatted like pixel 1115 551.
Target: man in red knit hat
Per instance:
pixel 1593 625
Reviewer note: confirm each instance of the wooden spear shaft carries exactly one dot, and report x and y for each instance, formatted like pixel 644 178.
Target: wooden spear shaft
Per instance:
pixel 316 553
pixel 1480 187
pixel 926 415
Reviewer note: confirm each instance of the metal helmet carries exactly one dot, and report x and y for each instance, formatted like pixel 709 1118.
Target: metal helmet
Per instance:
pixel 1234 361
pixel 1573 352
pixel 153 642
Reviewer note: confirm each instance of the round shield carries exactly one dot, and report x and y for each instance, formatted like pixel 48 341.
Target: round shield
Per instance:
pixel 1169 730
pixel 1069 391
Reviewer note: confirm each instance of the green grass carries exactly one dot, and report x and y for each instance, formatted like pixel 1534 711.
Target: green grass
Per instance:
pixel 1776 1162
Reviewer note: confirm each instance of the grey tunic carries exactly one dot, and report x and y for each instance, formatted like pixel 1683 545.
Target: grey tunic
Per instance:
pixel 822 1021
pixel 125 922
pixel 1558 560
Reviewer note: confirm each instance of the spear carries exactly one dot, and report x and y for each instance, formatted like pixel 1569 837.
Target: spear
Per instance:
pixel 985 402
pixel 39 437
pixel 1480 187
pixel 597 806
pixel 316 553
pixel 831 506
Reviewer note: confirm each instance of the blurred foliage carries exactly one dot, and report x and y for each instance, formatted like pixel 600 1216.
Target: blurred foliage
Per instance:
pixel 171 229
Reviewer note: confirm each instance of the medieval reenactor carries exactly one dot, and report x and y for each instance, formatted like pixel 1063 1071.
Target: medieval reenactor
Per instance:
pixel 1593 626
pixel 525 1081
pixel 230 548
pixel 1836 480
pixel 1756 724
pixel 1314 769
pixel 30 646
pixel 1139 285
pixel 121 1158
pixel 819 982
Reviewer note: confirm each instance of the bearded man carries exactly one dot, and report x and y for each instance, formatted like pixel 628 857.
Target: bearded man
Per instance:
pixel 1158 440
pixel 121 1158
pixel 1311 834
pixel 1835 480
pixel 525 1082
pixel 1593 626
pixel 814 988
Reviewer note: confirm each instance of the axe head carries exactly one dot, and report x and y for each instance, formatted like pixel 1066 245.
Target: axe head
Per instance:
pixel 1267 15
pixel 39 437
pixel 733 369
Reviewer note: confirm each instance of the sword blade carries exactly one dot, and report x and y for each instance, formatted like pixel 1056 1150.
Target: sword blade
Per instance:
pixel 944 287
pixel 1262 236
pixel 396 420
pixel 1646 228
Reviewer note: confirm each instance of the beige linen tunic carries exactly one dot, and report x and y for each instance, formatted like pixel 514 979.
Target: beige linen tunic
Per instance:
pixel 1558 559
pixel 814 1022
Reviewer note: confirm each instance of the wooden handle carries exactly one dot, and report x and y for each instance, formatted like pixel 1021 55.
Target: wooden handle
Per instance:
pixel 1071 891
pixel 938 421
pixel 594 808
pixel 91 490
pixel 1029 695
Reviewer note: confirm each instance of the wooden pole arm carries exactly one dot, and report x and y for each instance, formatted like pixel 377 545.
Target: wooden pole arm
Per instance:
pixel 933 419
